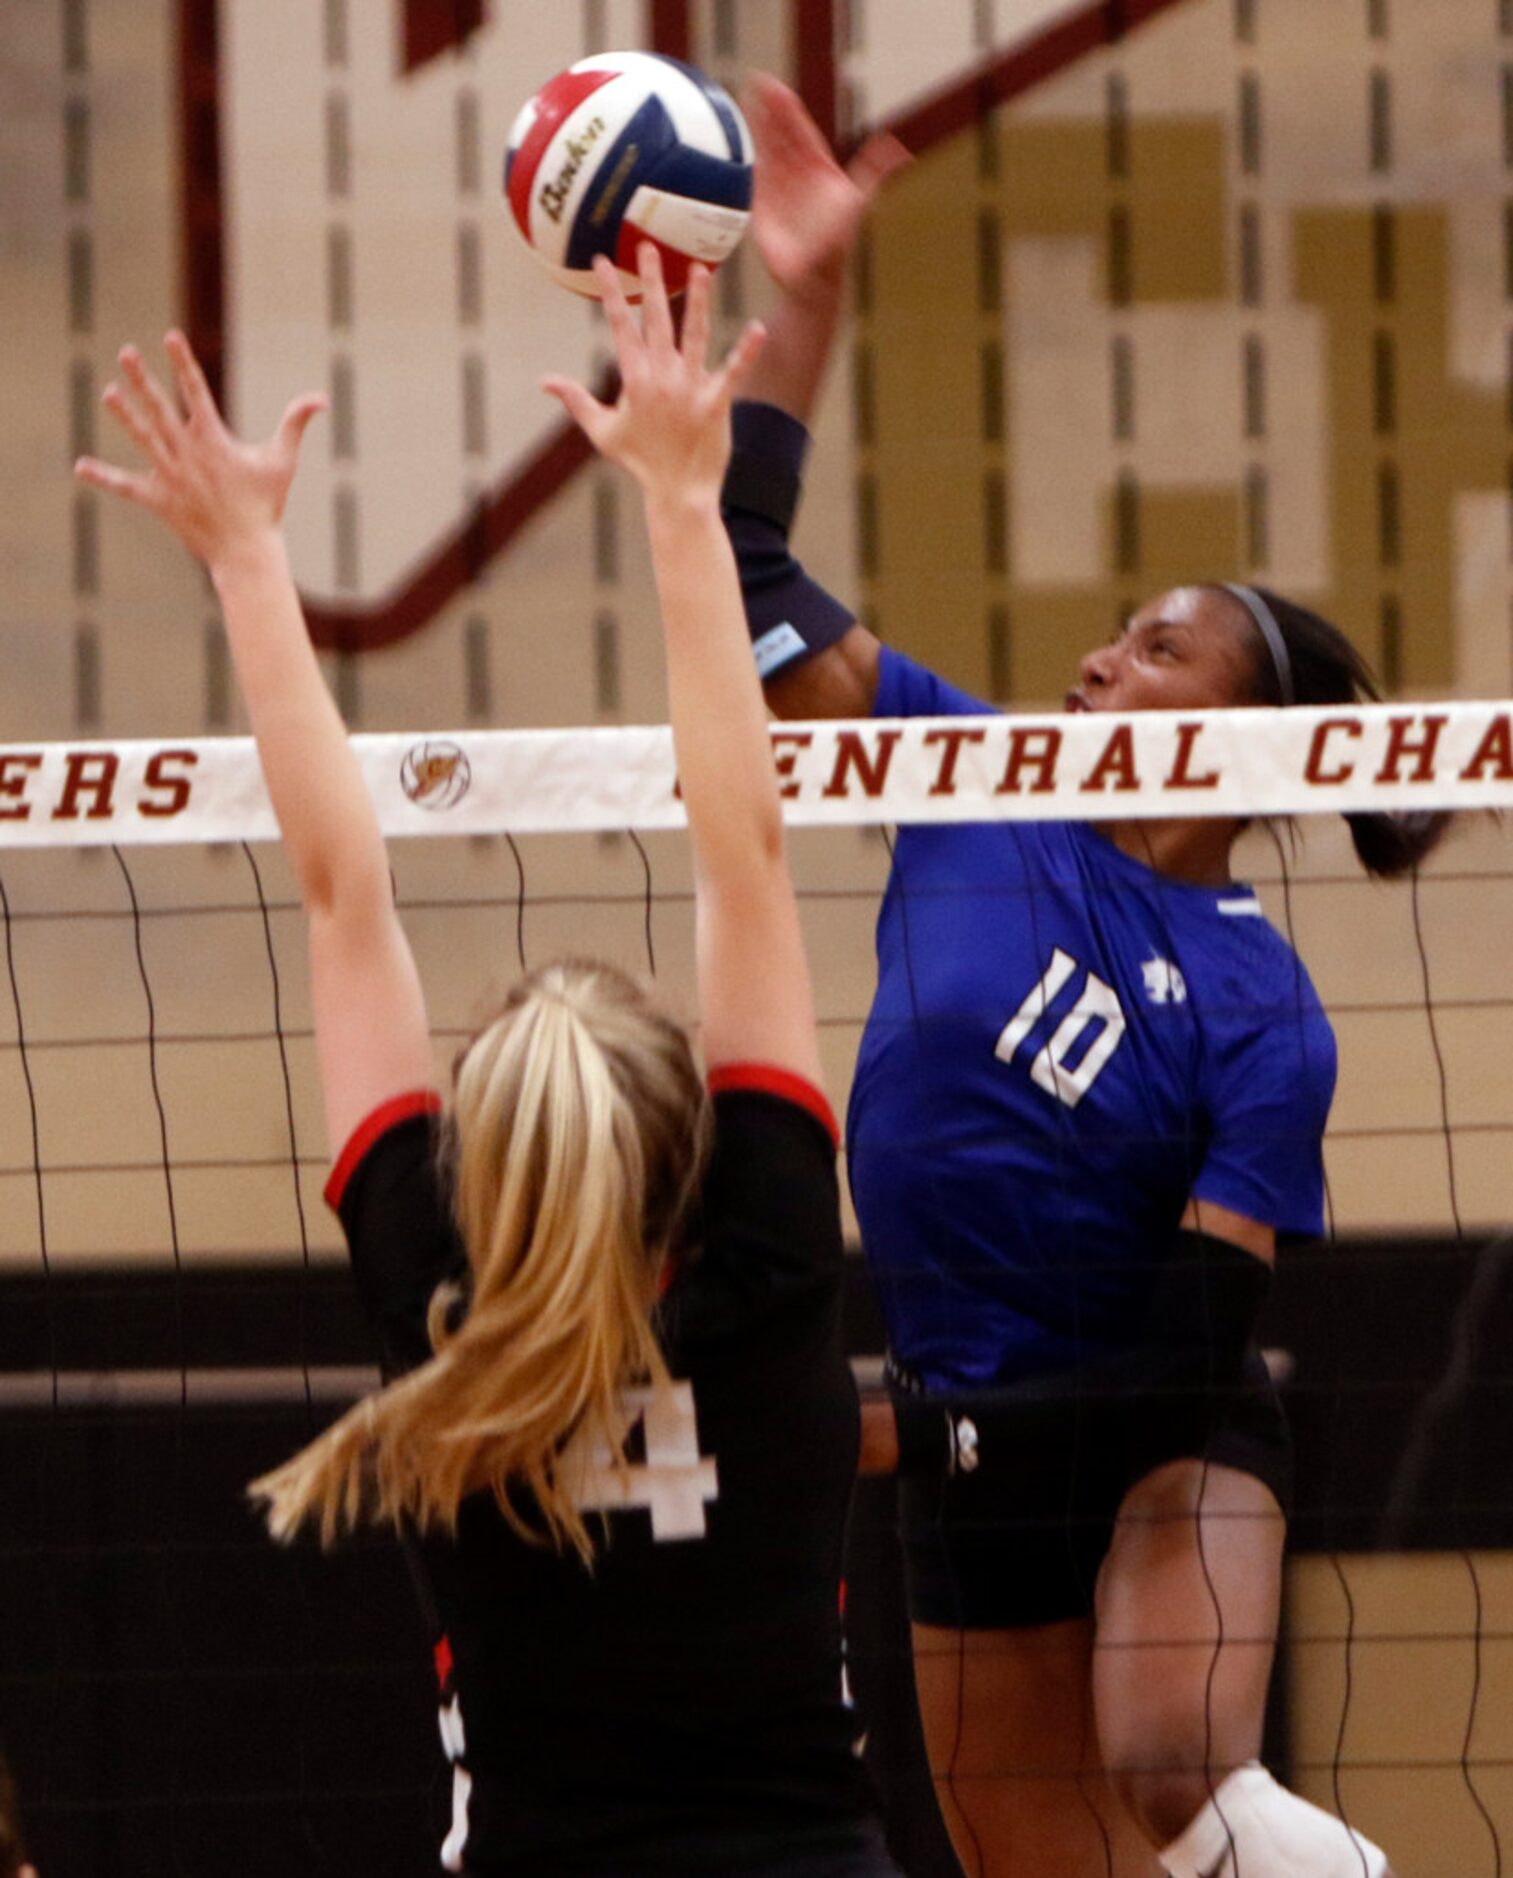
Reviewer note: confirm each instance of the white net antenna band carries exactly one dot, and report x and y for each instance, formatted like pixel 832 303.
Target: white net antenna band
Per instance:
pixel 993 768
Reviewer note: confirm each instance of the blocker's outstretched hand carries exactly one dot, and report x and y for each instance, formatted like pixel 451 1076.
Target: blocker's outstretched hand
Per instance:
pixel 224 499
pixel 671 430
pixel 215 492
pixel 671 425
pixel 808 209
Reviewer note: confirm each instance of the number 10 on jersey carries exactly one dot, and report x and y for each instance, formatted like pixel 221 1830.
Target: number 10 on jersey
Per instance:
pixel 1048 1069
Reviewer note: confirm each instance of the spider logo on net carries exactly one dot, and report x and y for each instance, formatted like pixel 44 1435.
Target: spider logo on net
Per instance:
pixel 435 774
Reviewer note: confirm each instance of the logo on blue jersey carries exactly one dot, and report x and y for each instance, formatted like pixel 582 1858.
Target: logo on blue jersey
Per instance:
pixel 1164 983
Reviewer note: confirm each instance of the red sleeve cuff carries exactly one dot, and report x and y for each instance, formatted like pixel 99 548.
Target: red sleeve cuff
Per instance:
pixel 387 1115
pixel 765 1080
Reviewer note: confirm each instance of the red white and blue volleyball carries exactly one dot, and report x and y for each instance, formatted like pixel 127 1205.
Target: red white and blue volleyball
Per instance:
pixel 624 148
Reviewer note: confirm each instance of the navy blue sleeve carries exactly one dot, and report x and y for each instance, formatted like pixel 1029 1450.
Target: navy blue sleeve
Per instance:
pixel 905 689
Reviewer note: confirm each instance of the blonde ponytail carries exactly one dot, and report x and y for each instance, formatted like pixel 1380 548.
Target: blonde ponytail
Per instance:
pixel 580 1133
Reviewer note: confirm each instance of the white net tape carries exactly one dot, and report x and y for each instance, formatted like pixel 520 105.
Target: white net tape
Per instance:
pixel 996 768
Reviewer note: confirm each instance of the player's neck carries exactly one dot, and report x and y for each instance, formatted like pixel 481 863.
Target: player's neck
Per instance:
pixel 1195 851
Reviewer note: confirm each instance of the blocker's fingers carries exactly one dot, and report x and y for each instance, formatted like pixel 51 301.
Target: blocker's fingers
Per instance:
pixel 580 404
pixel 622 322
pixel 189 376
pixel 296 418
pixel 696 315
pixel 126 413
pixel 743 355
pixel 89 469
pixel 786 127
pixel 759 121
pixel 879 157
pixel 655 311
pixel 761 100
pixel 154 401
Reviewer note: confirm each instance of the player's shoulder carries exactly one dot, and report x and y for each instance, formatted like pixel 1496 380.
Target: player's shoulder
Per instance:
pixel 772 1174
pixel 1260 1009
pixel 396 1143
pixel 771 1188
pixel 770 1227
pixel 392 1196
pixel 759 1104
pixel 905 688
pixel 1271 965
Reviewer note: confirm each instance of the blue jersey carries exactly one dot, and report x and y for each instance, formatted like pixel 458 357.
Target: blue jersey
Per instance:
pixel 1064 1047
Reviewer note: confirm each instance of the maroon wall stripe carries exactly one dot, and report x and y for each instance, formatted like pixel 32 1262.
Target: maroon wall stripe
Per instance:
pixel 202 234
pixel 432 27
pixel 814 69
pixel 1004 75
pixel 671 29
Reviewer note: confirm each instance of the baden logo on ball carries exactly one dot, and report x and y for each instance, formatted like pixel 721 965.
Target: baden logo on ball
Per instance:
pixel 624 148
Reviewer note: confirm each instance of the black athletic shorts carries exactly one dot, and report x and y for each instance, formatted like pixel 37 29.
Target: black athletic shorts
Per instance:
pixel 1019 1540
pixel 855 1852
pixel 870 1860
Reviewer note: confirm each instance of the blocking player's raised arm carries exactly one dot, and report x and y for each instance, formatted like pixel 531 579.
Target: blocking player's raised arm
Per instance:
pixel 224 500
pixel 671 430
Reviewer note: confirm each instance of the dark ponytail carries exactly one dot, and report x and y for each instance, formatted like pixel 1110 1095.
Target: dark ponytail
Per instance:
pixel 1327 669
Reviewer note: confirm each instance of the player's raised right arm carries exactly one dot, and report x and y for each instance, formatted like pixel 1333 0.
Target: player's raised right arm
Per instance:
pixel 670 429
pixel 224 499
pixel 815 659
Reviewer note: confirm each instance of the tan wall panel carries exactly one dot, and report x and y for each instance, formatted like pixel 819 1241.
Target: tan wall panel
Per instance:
pixel 1055 178
pixel 1390 1744
pixel 927 462
pixel 1051 632
pixel 1178 194
pixel 1184 535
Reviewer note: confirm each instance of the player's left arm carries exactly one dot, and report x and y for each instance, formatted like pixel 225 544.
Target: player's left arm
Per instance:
pixel 1237 1229
pixel 1267 1086
pixel 224 499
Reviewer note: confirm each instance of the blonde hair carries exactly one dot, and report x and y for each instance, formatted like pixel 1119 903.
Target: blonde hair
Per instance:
pixel 579 1132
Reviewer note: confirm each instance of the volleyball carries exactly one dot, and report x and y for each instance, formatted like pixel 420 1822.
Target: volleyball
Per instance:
pixel 623 148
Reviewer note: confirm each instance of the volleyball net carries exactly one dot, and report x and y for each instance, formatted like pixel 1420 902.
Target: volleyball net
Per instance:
pixel 177 1311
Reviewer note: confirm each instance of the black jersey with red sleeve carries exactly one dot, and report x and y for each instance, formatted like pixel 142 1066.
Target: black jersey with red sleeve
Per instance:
pixel 679 1707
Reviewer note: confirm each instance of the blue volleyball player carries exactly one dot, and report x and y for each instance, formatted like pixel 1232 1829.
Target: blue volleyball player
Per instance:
pixel 1090 1099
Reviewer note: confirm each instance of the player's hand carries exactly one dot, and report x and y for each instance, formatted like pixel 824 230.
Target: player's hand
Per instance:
pixel 671 425
pixel 215 492
pixel 807 209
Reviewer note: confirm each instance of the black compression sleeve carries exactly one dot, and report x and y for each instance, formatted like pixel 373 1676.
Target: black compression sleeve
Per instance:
pixel 1204 1311
pixel 789 615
